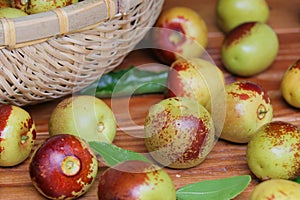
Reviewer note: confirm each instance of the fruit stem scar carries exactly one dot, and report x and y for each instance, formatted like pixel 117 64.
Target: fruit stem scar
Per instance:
pixel 24 138
pixel 100 127
pixel 24 2
pixel 70 165
pixel 175 37
pixel 261 111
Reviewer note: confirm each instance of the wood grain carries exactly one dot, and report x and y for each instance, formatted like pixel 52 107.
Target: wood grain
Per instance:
pixel 226 159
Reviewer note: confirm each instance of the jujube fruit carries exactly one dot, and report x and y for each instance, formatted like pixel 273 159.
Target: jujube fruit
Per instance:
pixel 179 132
pixel 17 135
pixel 290 85
pixel 180 32
pixel 194 78
pixel 276 189
pixel 248 107
pixel 63 167
pixel 85 116
pixel 249 49
pixel 273 151
pixel 232 13
pixel 135 180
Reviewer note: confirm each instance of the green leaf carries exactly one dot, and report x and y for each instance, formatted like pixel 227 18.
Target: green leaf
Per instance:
pixel 113 154
pixel 127 82
pixel 297 180
pixel 221 189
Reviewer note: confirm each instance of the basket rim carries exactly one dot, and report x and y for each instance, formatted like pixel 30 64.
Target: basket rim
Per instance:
pixel 86 14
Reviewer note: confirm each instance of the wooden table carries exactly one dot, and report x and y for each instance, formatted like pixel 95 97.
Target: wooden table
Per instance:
pixel 226 159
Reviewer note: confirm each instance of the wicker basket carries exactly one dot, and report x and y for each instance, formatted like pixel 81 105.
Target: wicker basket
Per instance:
pixel 52 54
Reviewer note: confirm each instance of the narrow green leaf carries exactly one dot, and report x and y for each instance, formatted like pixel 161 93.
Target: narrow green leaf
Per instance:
pixel 297 180
pixel 113 154
pixel 127 82
pixel 221 189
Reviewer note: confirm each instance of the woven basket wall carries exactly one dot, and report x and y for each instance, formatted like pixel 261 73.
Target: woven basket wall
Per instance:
pixel 52 54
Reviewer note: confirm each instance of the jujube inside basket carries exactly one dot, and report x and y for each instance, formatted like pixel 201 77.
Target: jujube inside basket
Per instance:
pixel 55 53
